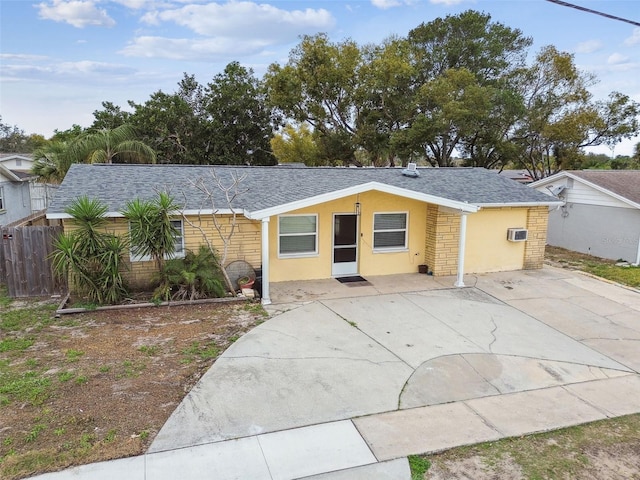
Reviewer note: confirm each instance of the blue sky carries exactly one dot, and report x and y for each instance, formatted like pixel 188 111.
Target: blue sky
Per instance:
pixel 59 59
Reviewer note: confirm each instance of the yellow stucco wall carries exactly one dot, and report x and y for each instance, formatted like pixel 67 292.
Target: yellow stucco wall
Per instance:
pixel 487 248
pixel 370 262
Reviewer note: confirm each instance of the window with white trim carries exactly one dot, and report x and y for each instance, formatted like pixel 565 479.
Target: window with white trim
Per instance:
pixel 297 235
pixel 178 248
pixel 390 231
pixel 2 207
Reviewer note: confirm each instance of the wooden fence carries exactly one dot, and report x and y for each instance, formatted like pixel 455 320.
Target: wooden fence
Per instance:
pixel 25 261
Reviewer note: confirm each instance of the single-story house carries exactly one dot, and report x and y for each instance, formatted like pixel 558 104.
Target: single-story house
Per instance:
pixel 17 161
pixel 313 223
pixel 600 212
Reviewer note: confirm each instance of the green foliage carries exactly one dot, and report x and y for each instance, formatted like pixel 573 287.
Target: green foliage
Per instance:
pixel 237 111
pixel 30 387
pixel 73 355
pixel 201 352
pixel 15 344
pixel 418 466
pixel 119 145
pixel 89 257
pixel 151 232
pixel 197 275
pixel 625 275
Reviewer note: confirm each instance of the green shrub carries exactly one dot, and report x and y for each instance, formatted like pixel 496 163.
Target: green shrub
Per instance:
pixel 197 275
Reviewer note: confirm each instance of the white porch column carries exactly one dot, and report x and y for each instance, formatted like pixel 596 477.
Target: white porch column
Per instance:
pixel 461 249
pixel 266 299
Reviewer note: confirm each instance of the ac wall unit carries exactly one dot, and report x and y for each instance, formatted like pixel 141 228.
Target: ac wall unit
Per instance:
pixel 517 234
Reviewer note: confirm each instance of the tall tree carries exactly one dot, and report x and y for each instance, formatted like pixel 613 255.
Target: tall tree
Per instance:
pixel 111 116
pixel 238 118
pixel 51 161
pixel 319 85
pixel 296 144
pixel 174 124
pixel 561 117
pixel 119 145
pixel 460 64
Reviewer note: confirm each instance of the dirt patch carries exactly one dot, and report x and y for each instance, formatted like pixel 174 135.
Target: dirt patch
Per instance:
pixel 608 449
pixel 100 385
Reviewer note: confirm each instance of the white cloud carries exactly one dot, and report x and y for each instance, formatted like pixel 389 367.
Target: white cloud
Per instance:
pixel 43 68
pixel 240 19
pixel 446 2
pixel 232 28
pixel 616 59
pixel 21 57
pixel 78 13
pixel 589 46
pixel 634 39
pixel 384 4
pixel 190 49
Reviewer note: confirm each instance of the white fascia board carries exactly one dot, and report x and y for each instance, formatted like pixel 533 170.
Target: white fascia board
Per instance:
pixel 522 204
pixel 595 186
pixel 365 187
pixel 207 211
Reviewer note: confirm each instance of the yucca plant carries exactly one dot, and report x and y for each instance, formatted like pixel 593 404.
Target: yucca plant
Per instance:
pixel 150 229
pixel 90 257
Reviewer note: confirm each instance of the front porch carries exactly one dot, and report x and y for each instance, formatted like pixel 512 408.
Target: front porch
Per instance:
pixel 286 294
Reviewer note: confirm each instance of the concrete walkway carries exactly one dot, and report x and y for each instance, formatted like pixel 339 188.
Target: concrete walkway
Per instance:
pixel 349 384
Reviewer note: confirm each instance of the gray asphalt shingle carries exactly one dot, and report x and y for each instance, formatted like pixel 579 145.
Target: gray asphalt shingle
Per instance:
pixel 266 187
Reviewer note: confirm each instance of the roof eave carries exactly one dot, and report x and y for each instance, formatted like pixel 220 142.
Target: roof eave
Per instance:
pixel 595 186
pixel 521 204
pixel 365 187
pixel 191 212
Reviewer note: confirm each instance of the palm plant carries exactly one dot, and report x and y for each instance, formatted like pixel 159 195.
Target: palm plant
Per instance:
pixel 89 257
pixel 51 162
pixel 197 275
pixel 151 232
pixel 111 146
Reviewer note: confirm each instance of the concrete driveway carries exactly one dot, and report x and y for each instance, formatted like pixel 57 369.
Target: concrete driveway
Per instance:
pixel 346 385
pixel 372 352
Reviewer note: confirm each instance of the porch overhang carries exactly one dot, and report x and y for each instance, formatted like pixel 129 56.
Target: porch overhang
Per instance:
pixel 365 187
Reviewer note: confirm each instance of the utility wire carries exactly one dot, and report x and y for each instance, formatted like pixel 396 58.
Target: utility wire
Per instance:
pixel 584 9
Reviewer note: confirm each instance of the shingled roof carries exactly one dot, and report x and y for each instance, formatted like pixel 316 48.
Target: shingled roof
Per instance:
pixel 268 188
pixel 625 183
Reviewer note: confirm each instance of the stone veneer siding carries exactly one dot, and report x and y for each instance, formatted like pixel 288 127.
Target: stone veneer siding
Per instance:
pixel 537 221
pixel 441 241
pixel 245 243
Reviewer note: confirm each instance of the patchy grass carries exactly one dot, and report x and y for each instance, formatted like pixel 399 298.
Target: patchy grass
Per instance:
pixel 418 466
pixel 99 385
pixel 600 267
pixel 604 449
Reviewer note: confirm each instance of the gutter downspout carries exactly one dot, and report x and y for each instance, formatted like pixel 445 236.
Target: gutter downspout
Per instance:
pixel 638 253
pixel 461 249
pixel 266 299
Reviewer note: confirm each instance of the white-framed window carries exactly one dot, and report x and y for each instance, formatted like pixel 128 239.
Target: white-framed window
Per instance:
pixel 178 249
pixel 297 235
pixel 2 206
pixel 390 231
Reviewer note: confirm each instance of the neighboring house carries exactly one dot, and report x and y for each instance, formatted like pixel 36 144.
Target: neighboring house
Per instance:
pixel 15 195
pixel 20 193
pixel 312 223
pixel 600 214
pixel 16 161
pixel 520 176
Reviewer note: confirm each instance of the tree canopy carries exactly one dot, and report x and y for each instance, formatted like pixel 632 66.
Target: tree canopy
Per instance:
pixel 456 90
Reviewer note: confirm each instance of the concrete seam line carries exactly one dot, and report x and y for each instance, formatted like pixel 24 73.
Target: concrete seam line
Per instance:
pixel 484 419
